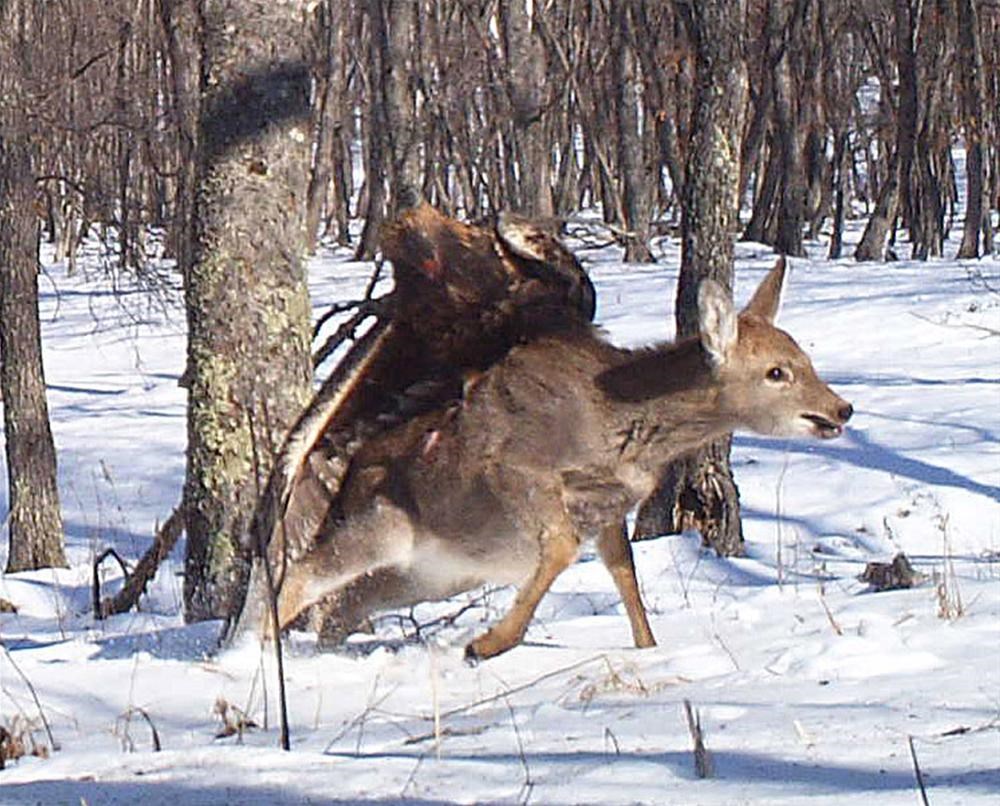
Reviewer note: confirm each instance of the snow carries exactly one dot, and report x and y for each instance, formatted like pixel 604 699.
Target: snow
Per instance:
pixel 808 686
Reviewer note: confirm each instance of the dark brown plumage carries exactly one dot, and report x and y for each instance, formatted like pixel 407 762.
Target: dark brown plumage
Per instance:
pixel 464 296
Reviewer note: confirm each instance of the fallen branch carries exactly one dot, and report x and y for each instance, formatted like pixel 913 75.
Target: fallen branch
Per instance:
pixel 96 583
pixel 135 584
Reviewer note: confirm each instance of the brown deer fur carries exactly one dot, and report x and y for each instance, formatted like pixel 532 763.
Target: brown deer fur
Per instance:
pixel 551 446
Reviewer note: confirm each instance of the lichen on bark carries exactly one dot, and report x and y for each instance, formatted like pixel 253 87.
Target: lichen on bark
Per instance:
pixel 249 367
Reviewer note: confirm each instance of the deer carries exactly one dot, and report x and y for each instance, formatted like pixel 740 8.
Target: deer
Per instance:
pixel 550 447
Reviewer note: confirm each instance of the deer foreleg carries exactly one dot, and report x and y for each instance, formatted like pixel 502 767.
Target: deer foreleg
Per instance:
pixel 597 506
pixel 616 551
pixel 558 552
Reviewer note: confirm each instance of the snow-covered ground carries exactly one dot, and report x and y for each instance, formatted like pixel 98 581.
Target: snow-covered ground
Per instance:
pixel 809 687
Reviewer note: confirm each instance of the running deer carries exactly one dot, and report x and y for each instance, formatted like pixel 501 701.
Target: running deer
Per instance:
pixel 551 446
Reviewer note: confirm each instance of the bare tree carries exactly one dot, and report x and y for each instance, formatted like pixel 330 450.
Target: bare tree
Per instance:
pixel 249 365
pixel 699 492
pixel 526 86
pixel 329 155
pixel 636 188
pixel 35 521
pixel 974 124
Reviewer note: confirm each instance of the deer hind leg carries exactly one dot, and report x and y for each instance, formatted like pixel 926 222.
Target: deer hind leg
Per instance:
pixel 383 538
pixel 558 551
pixel 349 610
pixel 616 552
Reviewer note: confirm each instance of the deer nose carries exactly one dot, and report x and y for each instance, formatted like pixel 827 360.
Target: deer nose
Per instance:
pixel 845 412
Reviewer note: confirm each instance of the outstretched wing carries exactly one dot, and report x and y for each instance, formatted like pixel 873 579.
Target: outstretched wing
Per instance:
pixel 464 296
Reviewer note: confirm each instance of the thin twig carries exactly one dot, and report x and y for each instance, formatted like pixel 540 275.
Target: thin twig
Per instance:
pixel 547 676
pixel 435 702
pixel 96 582
pixel 284 740
pixel 989 331
pixel 917 772
pixel 34 696
pixel 346 330
pixel 833 622
pixel 360 718
pixel 157 746
pixel 528 784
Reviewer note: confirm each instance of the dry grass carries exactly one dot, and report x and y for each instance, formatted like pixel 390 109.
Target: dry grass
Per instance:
pixel 17 739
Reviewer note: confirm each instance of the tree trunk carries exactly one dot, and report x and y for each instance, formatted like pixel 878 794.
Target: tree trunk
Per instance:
pixel 636 193
pixel 328 117
pixel 970 53
pixel 34 521
pixel 249 365
pixel 526 87
pixel 699 492
pixel 840 141
pixel 181 23
pixel 397 35
pixel 376 145
pixel 788 136
pixel 896 187
pixel 873 240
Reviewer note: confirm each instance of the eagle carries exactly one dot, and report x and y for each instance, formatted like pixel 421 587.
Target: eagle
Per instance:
pixel 464 294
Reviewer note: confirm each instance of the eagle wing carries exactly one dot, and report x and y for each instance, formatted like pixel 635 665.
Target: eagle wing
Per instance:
pixel 464 295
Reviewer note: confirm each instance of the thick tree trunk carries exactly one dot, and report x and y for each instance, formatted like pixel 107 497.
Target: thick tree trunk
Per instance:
pixel 34 521
pixel 249 365
pixel 699 492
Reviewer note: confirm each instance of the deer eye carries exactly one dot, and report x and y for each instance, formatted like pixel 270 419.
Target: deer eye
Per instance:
pixel 777 374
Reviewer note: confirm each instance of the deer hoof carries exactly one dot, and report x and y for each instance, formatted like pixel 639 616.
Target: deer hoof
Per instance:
pixel 472 657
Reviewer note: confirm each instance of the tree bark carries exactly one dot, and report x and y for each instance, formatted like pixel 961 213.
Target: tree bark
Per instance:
pixel 873 239
pixel 329 103
pixel 788 133
pixel 972 82
pixel 376 135
pixel 34 521
pixel 895 192
pixel 699 492
pixel 249 367
pixel 526 87
pixel 636 191
pixel 398 40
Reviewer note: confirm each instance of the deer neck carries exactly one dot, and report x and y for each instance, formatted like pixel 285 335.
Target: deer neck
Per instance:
pixel 664 429
pixel 664 403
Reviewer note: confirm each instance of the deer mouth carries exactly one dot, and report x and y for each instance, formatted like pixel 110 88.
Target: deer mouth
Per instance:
pixel 822 427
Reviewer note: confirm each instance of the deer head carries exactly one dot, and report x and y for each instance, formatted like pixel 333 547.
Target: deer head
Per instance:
pixel 766 382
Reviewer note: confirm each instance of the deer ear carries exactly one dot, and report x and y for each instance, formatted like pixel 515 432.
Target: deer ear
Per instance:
pixel 767 298
pixel 716 320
